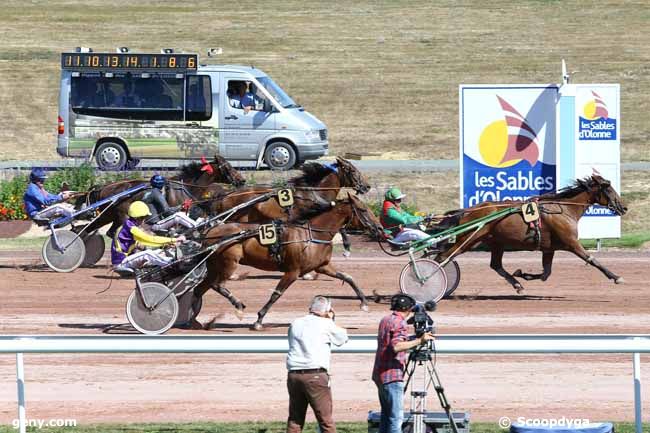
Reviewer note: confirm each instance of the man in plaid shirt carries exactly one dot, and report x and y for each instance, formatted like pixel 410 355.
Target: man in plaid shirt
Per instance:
pixel 390 360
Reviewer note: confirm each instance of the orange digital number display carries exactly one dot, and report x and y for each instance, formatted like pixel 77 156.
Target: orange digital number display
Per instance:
pixel 126 61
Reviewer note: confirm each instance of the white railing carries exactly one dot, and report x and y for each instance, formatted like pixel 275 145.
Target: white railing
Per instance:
pixel 445 344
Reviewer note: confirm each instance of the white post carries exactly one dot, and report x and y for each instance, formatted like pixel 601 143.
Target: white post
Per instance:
pixel 636 362
pixel 20 381
pixel 598 245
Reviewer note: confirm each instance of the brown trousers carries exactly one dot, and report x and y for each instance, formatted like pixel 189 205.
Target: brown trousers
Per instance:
pixel 311 389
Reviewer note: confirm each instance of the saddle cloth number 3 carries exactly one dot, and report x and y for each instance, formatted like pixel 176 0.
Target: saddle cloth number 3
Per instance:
pixel 285 197
pixel 267 234
pixel 530 211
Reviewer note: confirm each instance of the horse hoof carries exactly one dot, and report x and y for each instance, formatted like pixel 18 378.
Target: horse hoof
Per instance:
pixel 234 277
pixel 257 326
pixel 517 273
pixel 308 277
pixel 519 288
pixel 377 296
pixel 239 313
pixel 619 280
pixel 364 308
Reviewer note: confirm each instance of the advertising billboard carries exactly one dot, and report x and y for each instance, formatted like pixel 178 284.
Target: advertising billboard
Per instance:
pixel 507 142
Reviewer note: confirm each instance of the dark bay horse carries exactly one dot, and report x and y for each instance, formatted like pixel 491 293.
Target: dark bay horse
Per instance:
pixel 194 181
pixel 557 228
pixel 317 186
pixel 301 248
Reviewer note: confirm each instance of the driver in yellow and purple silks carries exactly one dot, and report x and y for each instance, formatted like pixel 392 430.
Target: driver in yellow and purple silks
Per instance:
pixel 398 222
pixel 129 247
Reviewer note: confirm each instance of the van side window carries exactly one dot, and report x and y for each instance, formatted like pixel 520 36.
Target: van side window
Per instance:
pixel 128 97
pixel 198 103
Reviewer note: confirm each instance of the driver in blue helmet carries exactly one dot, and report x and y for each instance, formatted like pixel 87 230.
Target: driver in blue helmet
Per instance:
pixel 159 208
pixel 41 204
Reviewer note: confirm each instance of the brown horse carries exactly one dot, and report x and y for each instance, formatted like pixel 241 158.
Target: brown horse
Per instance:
pixel 317 186
pixel 300 248
pixel 557 228
pixel 193 182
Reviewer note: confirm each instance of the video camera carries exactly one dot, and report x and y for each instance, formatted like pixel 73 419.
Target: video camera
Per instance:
pixel 421 320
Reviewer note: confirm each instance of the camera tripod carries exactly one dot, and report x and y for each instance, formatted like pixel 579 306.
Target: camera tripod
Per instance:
pixel 421 357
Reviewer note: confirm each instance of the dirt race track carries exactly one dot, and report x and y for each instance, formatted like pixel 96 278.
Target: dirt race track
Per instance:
pixel 156 388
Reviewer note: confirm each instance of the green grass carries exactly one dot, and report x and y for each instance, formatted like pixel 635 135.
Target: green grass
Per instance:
pixel 257 427
pixel 628 240
pixel 383 76
pixel 22 244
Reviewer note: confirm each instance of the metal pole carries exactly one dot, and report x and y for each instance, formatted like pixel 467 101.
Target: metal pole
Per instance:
pixel 20 381
pixel 636 363
pixel 598 245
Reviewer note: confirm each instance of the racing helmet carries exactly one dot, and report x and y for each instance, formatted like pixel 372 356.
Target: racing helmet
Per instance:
pixel 394 194
pixel 37 174
pixel 138 209
pixel 157 181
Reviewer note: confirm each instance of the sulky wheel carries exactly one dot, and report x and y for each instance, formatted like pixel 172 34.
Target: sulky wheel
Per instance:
pixel 71 255
pixel 95 247
pixel 153 309
pixel 452 271
pixel 423 279
pixel 188 305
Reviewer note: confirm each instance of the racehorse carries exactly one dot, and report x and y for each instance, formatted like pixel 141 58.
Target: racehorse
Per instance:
pixel 299 249
pixel 194 181
pixel 318 185
pixel 556 229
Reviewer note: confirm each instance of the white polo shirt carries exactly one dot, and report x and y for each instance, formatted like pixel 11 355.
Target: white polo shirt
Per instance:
pixel 310 341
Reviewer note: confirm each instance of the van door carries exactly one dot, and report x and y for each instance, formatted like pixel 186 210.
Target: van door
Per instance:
pixel 243 129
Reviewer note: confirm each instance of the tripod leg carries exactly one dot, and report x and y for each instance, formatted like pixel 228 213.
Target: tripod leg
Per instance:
pixel 437 385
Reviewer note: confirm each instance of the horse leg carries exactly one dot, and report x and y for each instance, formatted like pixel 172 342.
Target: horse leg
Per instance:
pixel 547 263
pixel 329 270
pixel 576 248
pixel 239 305
pixel 496 264
pixel 286 280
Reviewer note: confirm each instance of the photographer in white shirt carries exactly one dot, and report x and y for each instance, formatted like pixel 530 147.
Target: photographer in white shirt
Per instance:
pixel 308 363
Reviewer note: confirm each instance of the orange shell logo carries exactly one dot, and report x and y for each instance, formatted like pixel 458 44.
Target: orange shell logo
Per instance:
pixel 504 143
pixel 596 108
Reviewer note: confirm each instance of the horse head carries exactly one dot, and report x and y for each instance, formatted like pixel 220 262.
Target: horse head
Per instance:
pixel 222 171
pixel 363 218
pixel 603 193
pixel 350 176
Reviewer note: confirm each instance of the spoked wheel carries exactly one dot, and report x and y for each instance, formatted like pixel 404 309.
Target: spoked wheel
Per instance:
pixel 452 271
pixel 71 256
pixel 95 246
pixel 423 279
pixel 153 309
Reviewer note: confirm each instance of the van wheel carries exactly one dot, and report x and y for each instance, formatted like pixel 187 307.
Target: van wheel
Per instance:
pixel 110 156
pixel 280 156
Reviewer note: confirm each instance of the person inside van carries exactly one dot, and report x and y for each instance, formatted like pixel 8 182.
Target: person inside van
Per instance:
pixel 133 248
pixel 240 97
pixel 128 98
pixel 41 205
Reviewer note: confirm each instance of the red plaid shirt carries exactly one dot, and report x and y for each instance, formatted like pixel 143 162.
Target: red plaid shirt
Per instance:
pixel 389 365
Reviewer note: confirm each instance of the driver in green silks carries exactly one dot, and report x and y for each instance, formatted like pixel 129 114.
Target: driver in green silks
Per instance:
pixel 401 224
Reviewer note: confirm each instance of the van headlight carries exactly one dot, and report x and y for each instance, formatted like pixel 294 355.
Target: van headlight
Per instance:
pixel 314 134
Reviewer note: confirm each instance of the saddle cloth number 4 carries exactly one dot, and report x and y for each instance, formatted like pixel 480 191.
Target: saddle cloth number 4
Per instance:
pixel 530 211
pixel 267 234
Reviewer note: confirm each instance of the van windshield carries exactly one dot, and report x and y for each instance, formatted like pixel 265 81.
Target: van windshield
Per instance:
pixel 277 93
